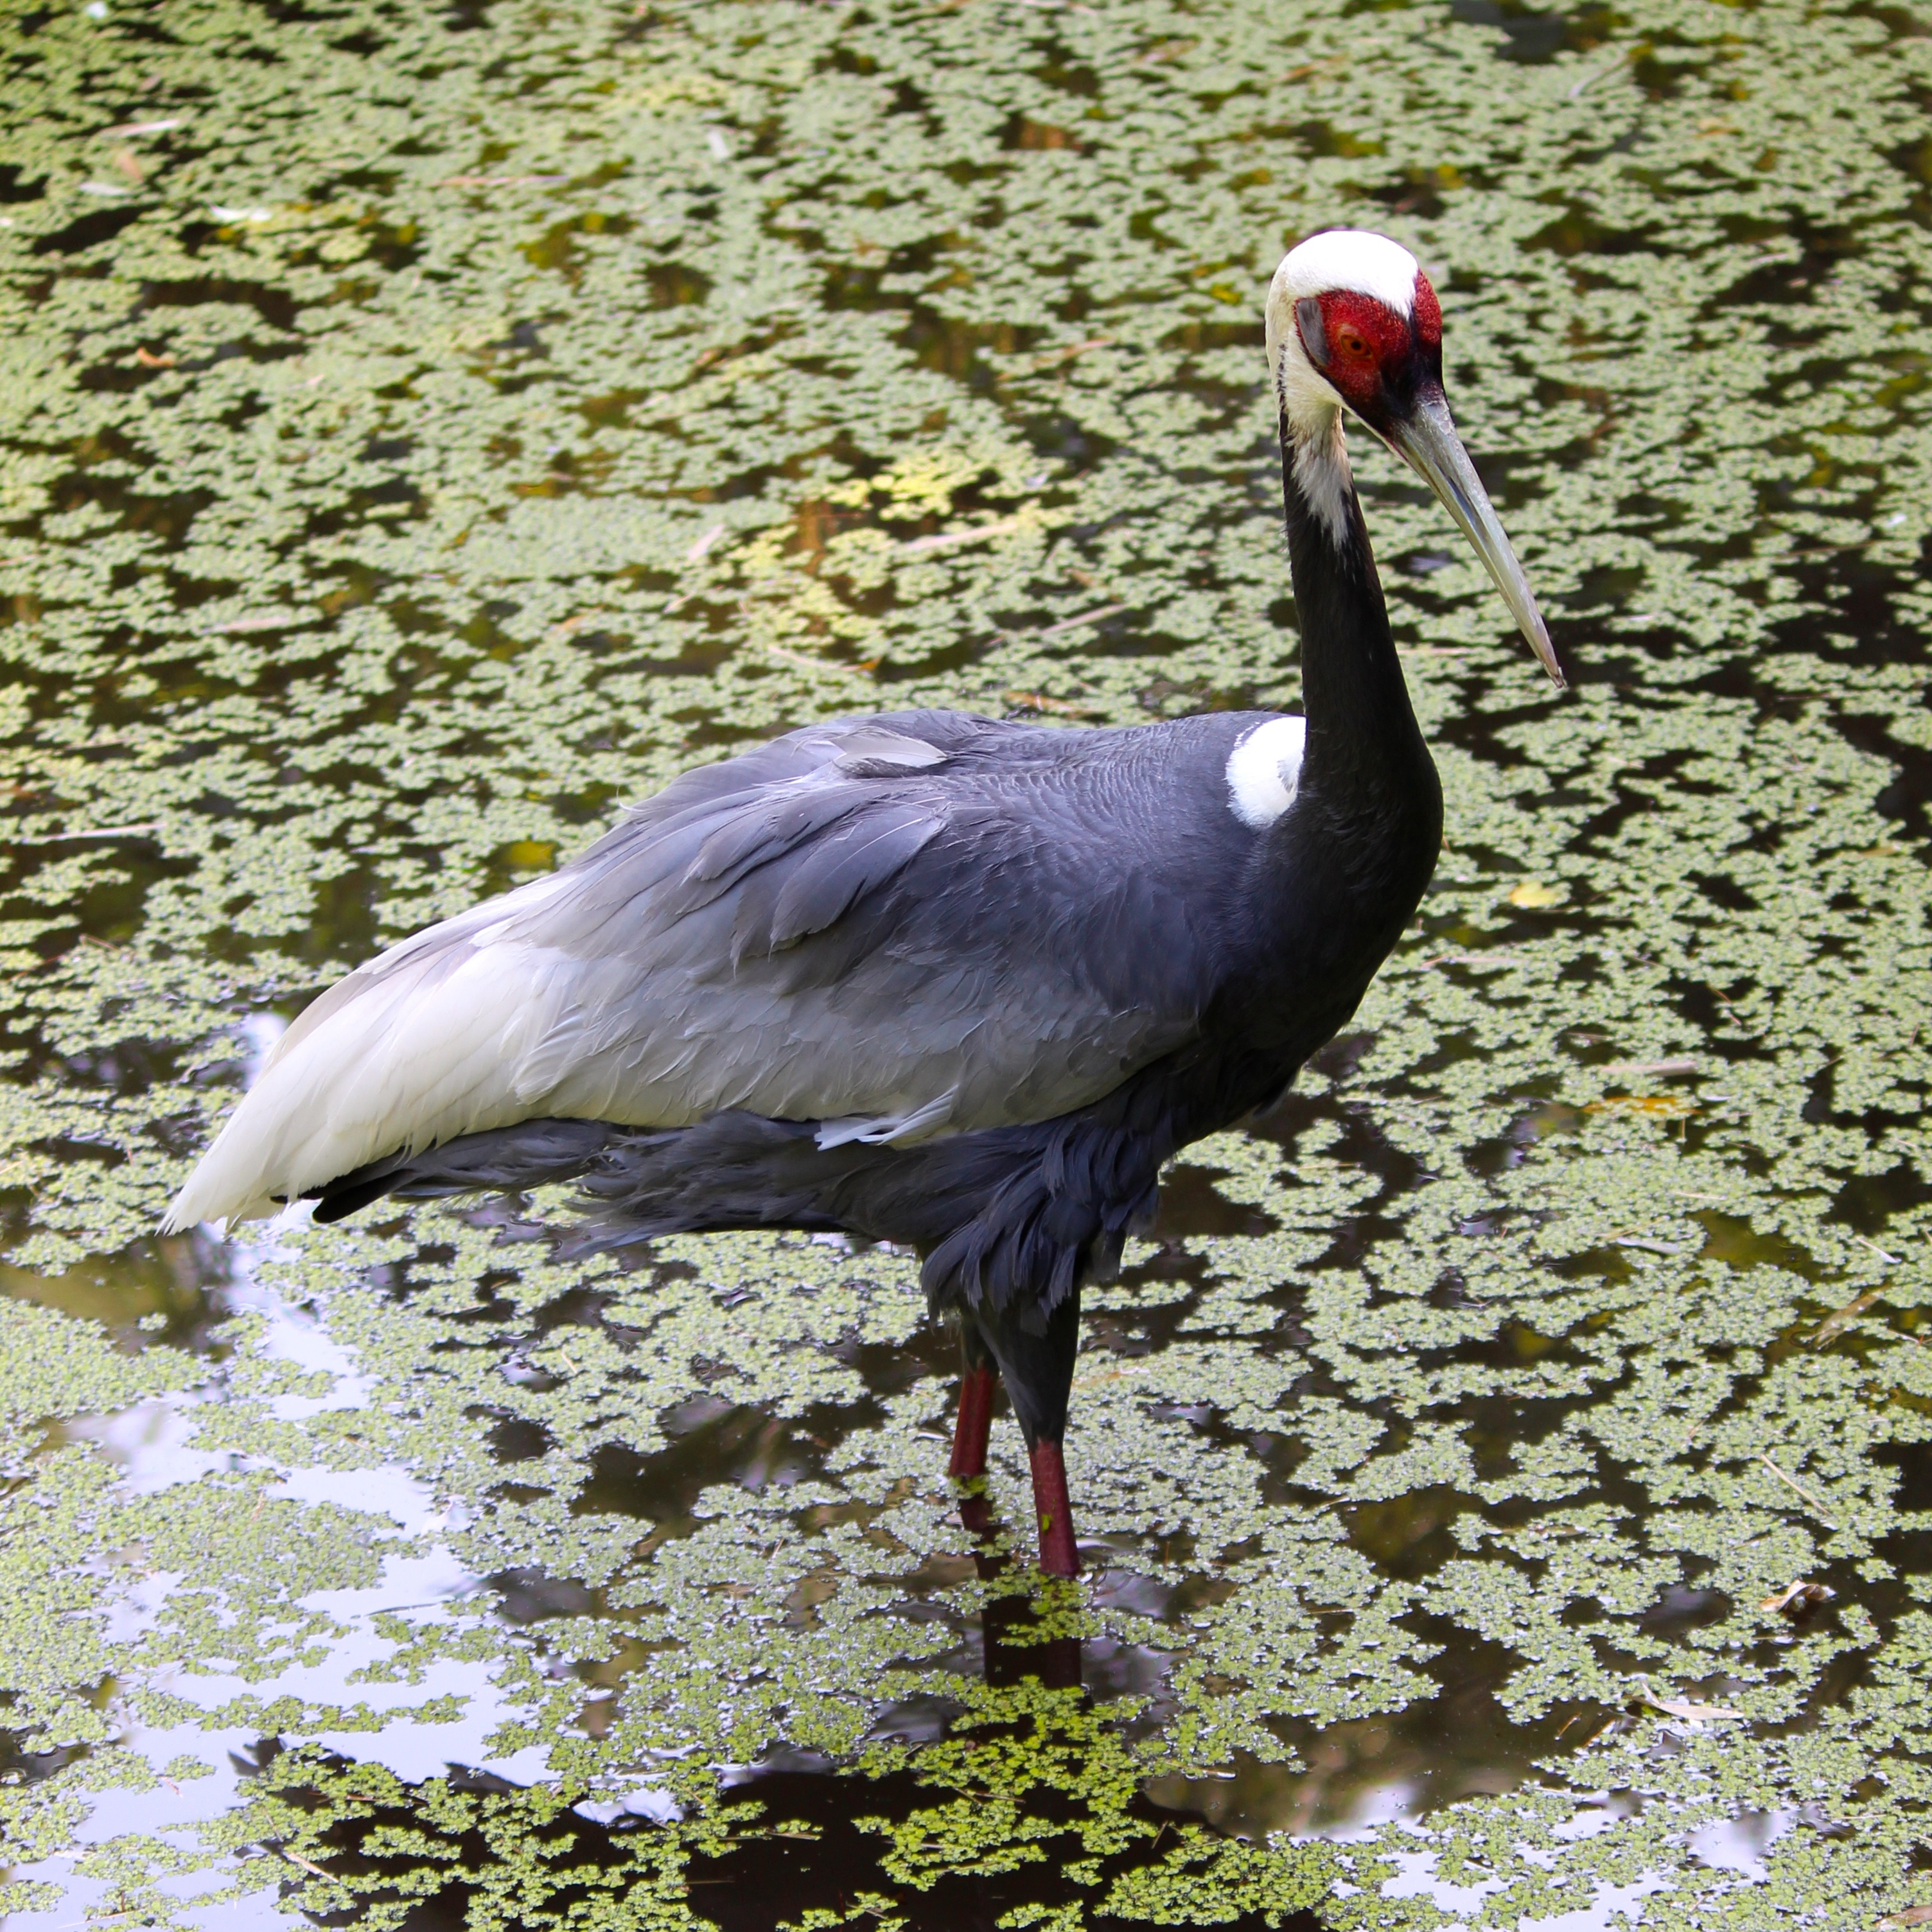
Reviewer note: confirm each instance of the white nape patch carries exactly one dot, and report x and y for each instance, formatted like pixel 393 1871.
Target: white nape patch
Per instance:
pixel 1264 771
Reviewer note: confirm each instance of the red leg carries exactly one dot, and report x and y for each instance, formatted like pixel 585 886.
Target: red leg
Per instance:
pixel 1058 1555
pixel 977 1387
pixel 976 1420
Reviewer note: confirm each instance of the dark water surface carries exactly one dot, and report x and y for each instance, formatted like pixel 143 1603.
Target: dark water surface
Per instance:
pixel 421 430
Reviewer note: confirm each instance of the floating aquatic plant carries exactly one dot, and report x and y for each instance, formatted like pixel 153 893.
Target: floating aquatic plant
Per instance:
pixel 421 432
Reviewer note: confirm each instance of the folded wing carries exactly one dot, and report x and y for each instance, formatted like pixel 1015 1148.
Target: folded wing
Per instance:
pixel 896 927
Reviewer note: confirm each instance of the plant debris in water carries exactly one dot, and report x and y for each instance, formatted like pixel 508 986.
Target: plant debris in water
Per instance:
pixel 422 430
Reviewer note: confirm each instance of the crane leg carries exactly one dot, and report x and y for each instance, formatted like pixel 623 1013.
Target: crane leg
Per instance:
pixel 979 1382
pixel 1053 1509
pixel 1035 1352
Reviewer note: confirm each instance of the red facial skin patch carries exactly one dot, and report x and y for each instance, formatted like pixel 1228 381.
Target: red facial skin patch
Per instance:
pixel 1426 319
pixel 1364 342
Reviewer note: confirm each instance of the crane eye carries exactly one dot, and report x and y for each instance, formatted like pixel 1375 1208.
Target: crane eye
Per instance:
pixel 1352 342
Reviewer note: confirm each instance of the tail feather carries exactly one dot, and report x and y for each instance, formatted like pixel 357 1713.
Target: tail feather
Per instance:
pixel 533 1154
pixel 1007 1219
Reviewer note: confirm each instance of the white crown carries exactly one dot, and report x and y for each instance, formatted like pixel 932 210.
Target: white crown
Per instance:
pixel 1349 258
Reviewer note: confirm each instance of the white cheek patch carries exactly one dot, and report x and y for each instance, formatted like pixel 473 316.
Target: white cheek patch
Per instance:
pixel 1264 771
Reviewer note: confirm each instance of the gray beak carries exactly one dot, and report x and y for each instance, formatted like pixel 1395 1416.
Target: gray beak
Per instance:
pixel 1426 440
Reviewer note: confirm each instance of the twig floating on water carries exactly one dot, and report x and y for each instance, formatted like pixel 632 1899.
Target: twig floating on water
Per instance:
pixel 89 832
pixel 957 539
pixel 1835 1324
pixel 1798 1489
pixel 1073 349
pixel 804 663
pixel 1590 80
pixel 1685 1707
pixel 1036 701
pixel 1085 617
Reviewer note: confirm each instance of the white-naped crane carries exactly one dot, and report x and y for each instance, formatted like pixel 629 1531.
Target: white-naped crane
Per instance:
pixel 929 978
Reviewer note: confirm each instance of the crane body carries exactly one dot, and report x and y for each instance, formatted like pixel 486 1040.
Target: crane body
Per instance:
pixel 949 981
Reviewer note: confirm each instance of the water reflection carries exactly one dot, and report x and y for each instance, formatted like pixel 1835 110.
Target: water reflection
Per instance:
pixel 159 1292
pixel 1335 1781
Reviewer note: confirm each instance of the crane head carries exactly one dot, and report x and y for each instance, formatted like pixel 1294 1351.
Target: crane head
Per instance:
pixel 1353 323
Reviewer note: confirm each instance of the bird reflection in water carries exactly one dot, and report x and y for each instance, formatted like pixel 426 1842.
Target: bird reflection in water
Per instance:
pixel 1011 1650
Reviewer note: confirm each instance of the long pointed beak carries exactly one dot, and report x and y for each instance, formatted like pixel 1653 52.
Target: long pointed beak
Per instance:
pixel 1426 440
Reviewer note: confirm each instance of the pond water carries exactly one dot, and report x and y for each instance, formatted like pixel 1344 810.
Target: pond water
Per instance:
pixel 423 431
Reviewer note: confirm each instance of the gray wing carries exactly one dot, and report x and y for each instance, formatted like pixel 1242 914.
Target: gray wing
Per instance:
pixel 895 927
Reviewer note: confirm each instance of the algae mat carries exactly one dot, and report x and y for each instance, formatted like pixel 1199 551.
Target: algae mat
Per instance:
pixel 421 430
